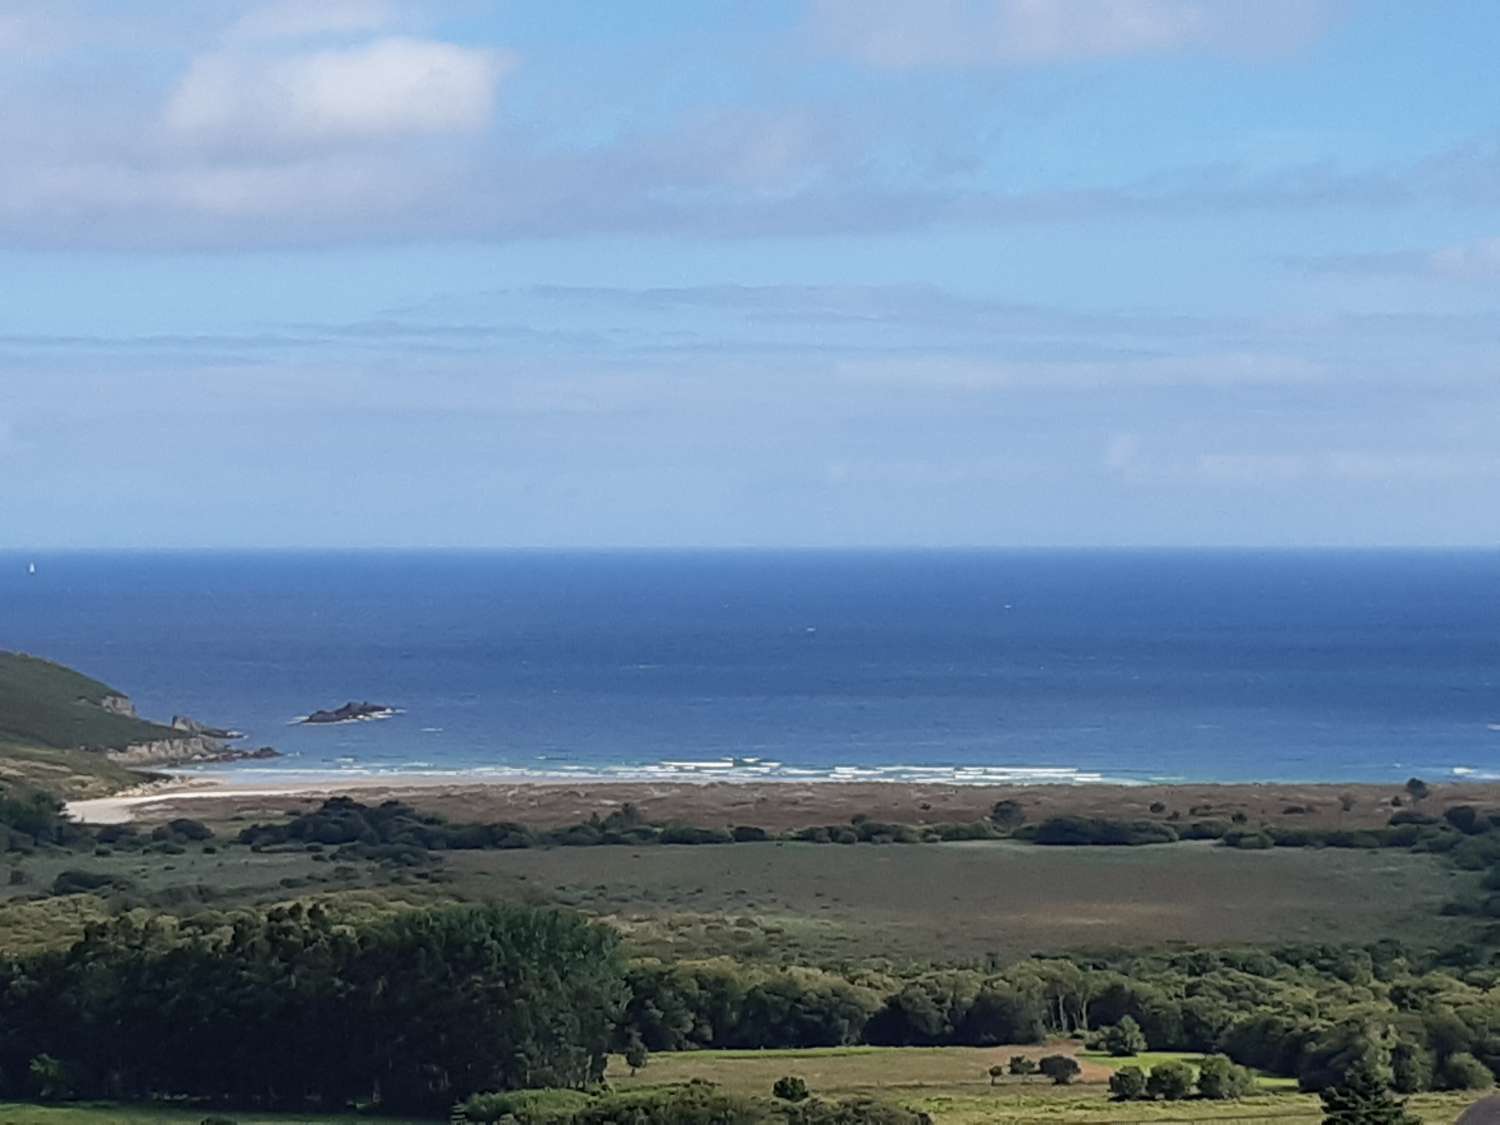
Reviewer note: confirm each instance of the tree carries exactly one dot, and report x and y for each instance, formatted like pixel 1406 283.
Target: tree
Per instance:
pixel 1128 1084
pixel 1062 1069
pixel 636 1055
pixel 997 1072
pixel 1222 1080
pixel 1123 1039
pixel 790 1089
pixel 1172 1081
pixel 1341 1050
pixel 1417 788
pixel 1363 1099
pixel 1022 1066
pixel 1412 1067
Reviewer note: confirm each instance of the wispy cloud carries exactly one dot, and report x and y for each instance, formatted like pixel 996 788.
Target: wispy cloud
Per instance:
pixel 1477 260
pixel 298 19
pixel 899 34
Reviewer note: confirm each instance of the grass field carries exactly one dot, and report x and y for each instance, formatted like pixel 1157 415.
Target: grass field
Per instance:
pixel 826 903
pixel 952 1084
pixel 956 901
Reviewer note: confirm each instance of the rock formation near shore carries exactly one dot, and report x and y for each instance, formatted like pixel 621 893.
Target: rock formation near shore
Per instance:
pixel 194 749
pixel 350 713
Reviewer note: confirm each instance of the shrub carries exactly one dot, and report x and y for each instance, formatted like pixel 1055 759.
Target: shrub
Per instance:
pixel 996 1073
pixel 749 834
pixel 1221 1080
pixel 1172 1081
pixel 525 1107
pixel 1128 1083
pixel 967 830
pixel 1123 1039
pixel 1205 830
pixel 1007 814
pixel 1062 1069
pixel 1410 816
pixel 187 829
pixel 1250 841
pixel 1084 830
pixel 790 1088
pixel 1022 1066
pixel 691 834
pixel 1462 1071
pixel 73 882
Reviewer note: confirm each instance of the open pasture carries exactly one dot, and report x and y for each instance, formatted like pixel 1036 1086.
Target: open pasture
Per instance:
pixel 960 901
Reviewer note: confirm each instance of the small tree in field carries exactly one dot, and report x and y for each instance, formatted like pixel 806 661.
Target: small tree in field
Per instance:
pixel 1062 1069
pixel 790 1089
pixel 1128 1084
pixel 1124 1039
pixel 1022 1067
pixel 1363 1099
pixel 1222 1080
pixel 1417 789
pixel 1172 1081
pixel 997 1072
pixel 636 1056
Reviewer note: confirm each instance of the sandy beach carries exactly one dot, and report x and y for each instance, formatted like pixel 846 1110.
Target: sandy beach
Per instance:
pixel 769 804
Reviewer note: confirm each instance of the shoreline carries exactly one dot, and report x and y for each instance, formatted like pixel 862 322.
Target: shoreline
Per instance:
pixel 780 803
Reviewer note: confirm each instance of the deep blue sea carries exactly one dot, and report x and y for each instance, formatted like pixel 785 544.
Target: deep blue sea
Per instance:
pixel 969 665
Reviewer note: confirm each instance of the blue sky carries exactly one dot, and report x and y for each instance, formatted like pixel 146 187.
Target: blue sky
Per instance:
pixel 794 273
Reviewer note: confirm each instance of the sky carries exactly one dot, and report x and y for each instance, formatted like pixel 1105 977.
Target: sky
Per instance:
pixel 758 273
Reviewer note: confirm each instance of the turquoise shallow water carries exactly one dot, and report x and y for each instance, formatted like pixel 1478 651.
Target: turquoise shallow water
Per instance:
pixel 1124 666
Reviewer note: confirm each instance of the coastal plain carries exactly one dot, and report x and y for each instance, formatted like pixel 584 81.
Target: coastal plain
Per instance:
pixel 791 901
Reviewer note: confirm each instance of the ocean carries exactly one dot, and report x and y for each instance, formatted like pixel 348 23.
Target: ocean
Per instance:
pixel 1124 666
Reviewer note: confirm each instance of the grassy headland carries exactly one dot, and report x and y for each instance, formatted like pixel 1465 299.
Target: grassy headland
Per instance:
pixel 59 727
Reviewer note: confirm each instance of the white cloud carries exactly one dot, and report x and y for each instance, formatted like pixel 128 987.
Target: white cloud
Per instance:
pixel 906 33
pixel 388 87
pixel 304 19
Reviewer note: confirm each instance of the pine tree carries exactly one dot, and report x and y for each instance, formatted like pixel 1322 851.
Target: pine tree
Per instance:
pixel 1363 1099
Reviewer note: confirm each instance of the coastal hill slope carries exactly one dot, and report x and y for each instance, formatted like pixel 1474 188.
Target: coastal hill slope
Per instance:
pixel 59 728
pixel 48 705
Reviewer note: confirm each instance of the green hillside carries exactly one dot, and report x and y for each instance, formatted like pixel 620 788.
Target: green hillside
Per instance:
pixel 52 726
pixel 46 705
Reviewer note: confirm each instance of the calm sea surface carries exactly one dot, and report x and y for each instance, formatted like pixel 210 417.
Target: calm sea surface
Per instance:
pixel 1124 666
